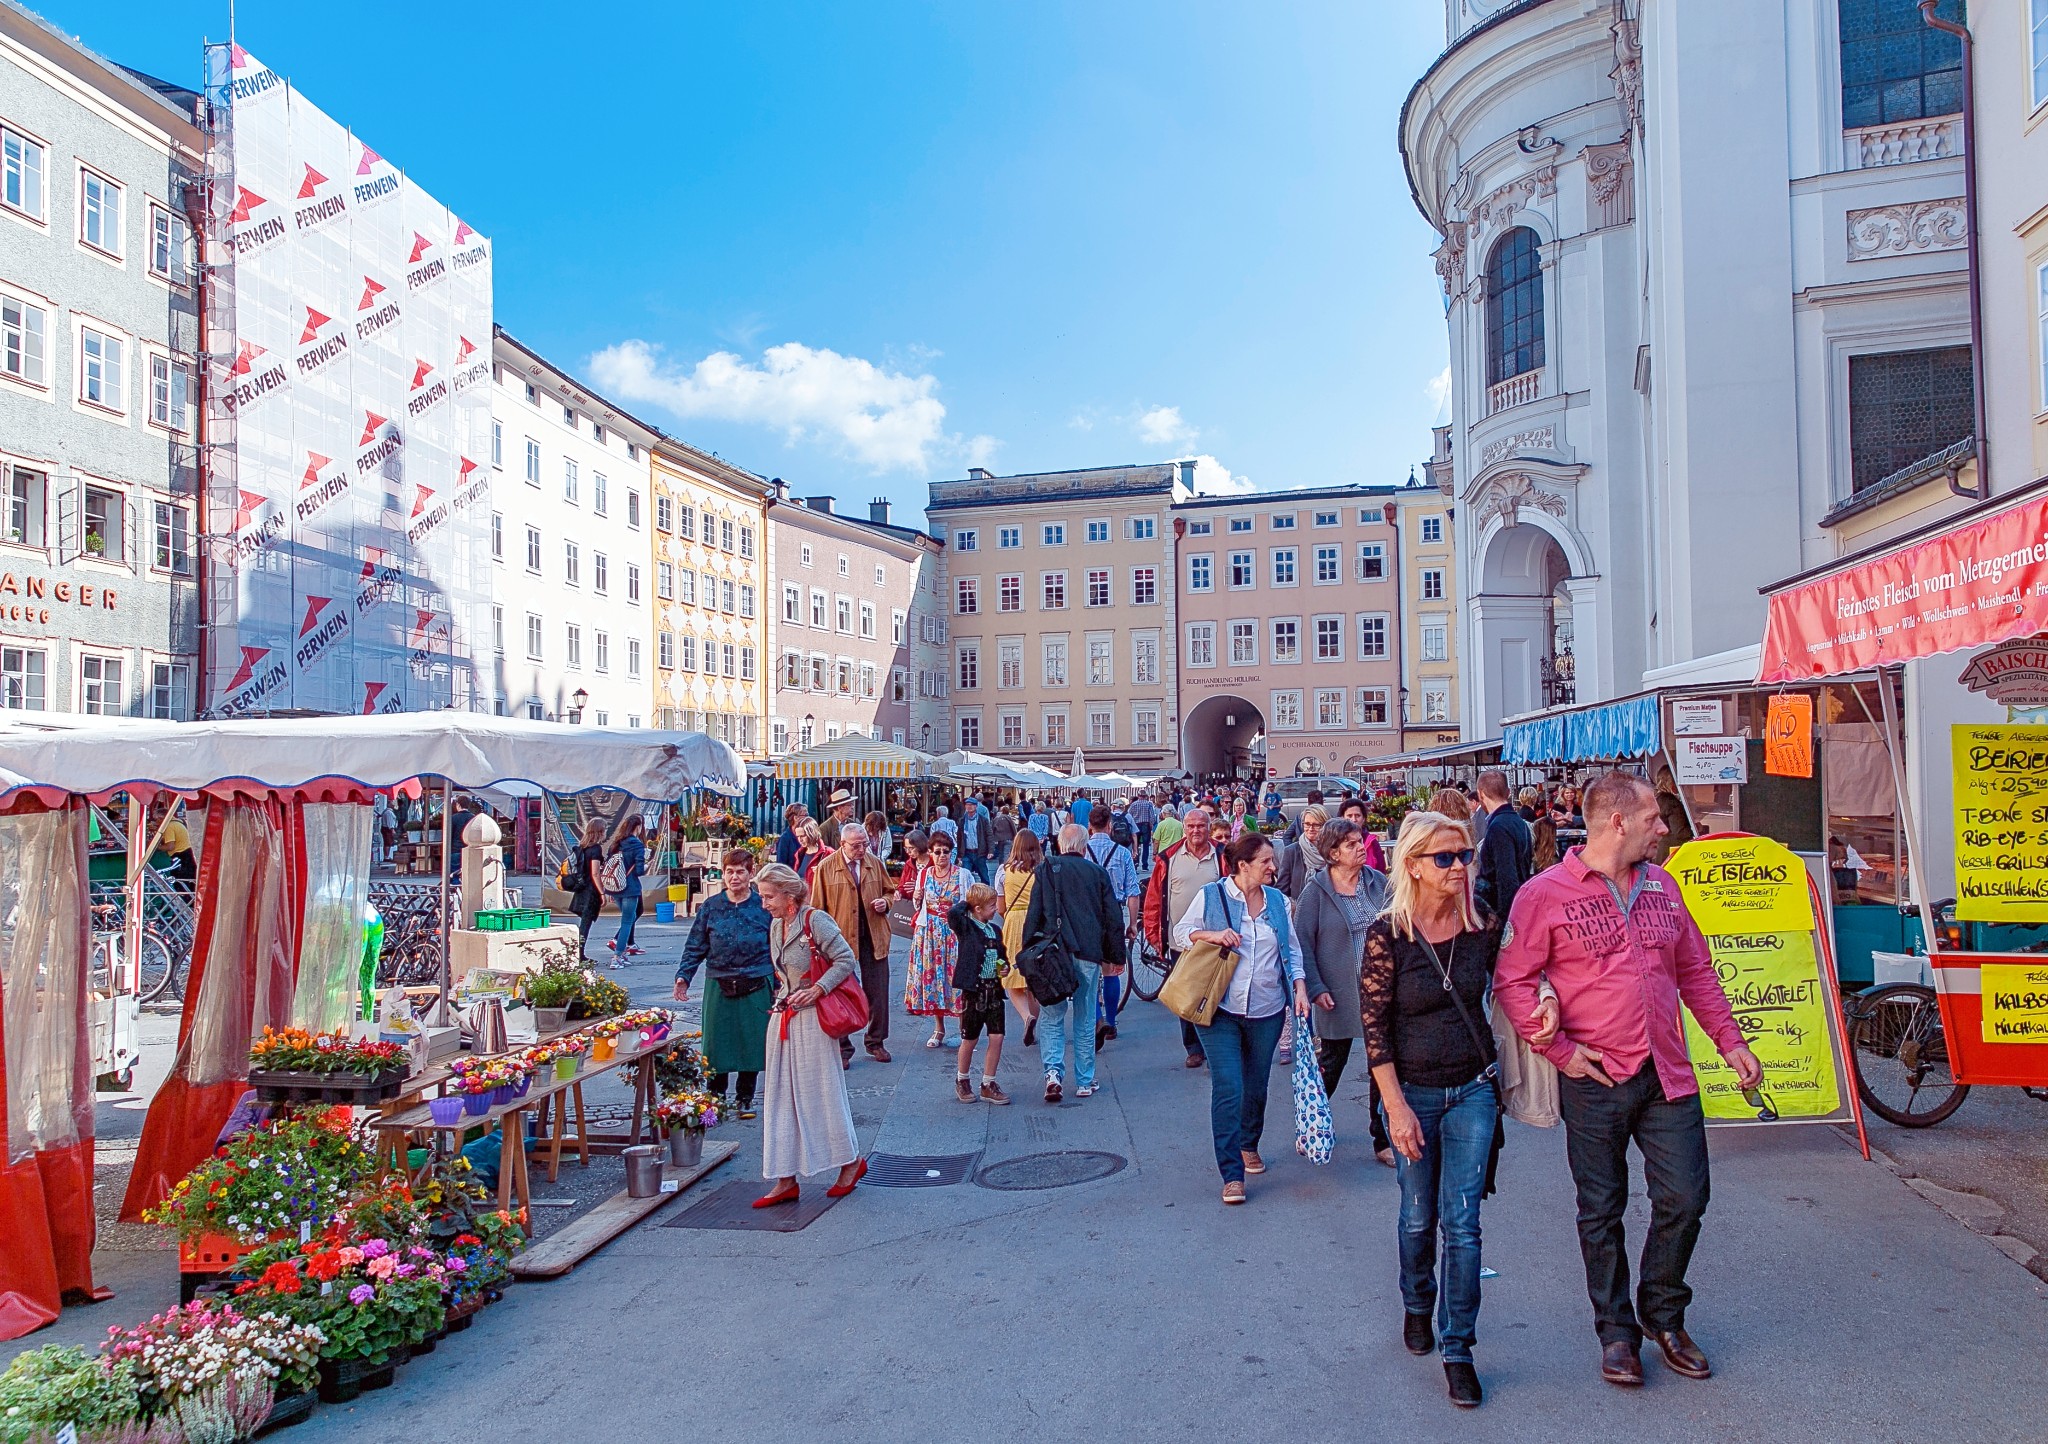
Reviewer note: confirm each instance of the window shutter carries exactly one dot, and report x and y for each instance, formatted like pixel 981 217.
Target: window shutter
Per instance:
pixel 70 518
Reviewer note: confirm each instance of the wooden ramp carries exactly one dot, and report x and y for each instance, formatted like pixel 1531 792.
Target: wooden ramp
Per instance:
pixel 557 1254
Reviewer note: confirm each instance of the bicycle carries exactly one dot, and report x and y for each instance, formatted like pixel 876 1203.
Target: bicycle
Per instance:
pixel 1148 969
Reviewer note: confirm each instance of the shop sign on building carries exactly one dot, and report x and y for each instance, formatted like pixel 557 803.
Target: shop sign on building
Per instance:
pixel 1710 761
pixel 1696 717
pixel 2014 674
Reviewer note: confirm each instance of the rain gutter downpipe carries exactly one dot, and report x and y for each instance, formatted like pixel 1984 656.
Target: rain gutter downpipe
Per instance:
pixel 1962 34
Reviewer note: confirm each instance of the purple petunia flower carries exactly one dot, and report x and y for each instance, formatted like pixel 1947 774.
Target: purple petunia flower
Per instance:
pixel 375 1248
pixel 361 1294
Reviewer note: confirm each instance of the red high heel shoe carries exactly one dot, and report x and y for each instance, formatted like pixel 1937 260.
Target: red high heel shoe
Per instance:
pixel 769 1200
pixel 840 1190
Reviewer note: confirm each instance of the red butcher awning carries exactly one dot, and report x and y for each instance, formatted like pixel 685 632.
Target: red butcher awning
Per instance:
pixel 1977 579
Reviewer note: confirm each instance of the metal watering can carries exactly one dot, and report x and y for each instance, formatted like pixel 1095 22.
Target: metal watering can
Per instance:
pixel 486 1024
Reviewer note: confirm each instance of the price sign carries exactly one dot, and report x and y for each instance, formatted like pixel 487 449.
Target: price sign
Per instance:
pixel 2015 1002
pixel 1788 736
pixel 1742 884
pixel 2001 823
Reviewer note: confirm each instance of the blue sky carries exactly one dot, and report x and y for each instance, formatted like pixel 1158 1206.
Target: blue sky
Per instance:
pixel 865 245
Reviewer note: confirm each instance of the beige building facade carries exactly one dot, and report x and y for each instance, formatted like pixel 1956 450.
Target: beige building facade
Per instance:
pixel 1057 614
pixel 1425 521
pixel 710 560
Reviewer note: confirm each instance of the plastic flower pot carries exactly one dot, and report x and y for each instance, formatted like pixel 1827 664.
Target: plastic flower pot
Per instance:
pixel 446 1110
pixel 566 1067
pixel 501 1095
pixel 520 1088
pixel 476 1105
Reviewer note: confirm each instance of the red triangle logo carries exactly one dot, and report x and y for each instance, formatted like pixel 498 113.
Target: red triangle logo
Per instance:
pixel 420 246
pixel 419 500
pixel 462 232
pixel 426 622
pixel 252 502
pixel 314 606
pixel 370 158
pixel 466 350
pixel 314 321
pixel 246 201
pixel 245 357
pixel 467 467
pixel 372 561
pixel 250 657
pixel 314 461
pixel 313 181
pixel 420 371
pixel 238 58
pixel 371 291
pixel 372 424
pixel 371 692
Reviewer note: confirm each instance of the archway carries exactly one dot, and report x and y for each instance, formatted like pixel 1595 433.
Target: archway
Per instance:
pixel 1218 738
pixel 1523 624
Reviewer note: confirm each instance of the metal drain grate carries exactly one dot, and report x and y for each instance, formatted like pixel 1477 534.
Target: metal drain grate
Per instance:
pixel 910 1170
pixel 1051 1170
pixel 732 1207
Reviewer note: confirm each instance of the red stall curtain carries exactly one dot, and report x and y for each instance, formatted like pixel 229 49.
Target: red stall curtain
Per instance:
pixel 46 1085
pixel 244 956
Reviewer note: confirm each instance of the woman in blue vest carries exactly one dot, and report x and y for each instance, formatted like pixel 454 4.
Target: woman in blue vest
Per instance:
pixel 1247 914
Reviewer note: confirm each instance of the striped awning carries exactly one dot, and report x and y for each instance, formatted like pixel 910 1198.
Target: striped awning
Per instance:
pixel 853 756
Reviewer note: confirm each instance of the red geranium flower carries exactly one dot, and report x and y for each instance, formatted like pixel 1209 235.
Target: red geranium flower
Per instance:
pixel 283 1278
pixel 324 1266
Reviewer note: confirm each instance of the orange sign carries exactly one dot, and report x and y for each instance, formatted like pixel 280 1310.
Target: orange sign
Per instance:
pixel 1788 736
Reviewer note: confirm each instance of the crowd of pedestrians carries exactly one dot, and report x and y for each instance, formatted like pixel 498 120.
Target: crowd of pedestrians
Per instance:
pixel 1479 969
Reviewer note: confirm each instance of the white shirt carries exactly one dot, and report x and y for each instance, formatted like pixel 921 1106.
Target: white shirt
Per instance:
pixel 1258 989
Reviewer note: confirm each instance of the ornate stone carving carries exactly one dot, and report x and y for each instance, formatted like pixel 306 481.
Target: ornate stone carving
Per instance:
pixel 1450 258
pixel 1499 208
pixel 1610 182
pixel 1900 230
pixel 1904 143
pixel 1508 493
pixel 1627 74
pixel 1543 438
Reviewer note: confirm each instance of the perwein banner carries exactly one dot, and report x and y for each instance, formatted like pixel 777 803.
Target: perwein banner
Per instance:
pixel 349 480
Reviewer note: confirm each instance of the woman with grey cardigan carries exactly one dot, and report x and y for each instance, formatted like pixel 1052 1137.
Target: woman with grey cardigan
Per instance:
pixel 1336 906
pixel 807 1124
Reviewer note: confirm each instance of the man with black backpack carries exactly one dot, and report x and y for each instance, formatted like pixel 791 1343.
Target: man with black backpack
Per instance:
pixel 1073 910
pixel 1113 855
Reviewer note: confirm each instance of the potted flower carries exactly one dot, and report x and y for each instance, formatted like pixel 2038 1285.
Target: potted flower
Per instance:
pixel 182 1355
pixel 291 1065
pixel 684 1117
pixel 569 1054
pixel 45 1389
pixel 552 991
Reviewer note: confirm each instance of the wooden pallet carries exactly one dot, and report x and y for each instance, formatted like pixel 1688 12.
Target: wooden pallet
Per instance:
pixel 560 1252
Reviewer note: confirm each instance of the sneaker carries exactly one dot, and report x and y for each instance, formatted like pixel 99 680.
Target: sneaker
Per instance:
pixel 1233 1192
pixel 963 1090
pixel 1052 1087
pixel 992 1092
pixel 1086 1090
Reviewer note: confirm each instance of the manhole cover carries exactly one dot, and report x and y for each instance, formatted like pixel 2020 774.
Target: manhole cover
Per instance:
pixel 909 1170
pixel 733 1207
pixel 1051 1170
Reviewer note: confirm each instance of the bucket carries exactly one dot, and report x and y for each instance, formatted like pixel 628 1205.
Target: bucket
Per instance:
pixel 686 1147
pixel 664 912
pixel 643 1171
pixel 566 1067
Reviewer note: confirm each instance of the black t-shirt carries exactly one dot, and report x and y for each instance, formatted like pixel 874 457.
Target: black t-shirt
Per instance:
pixel 1410 1020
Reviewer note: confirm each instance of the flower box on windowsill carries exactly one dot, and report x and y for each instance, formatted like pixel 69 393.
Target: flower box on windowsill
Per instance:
pixel 280 1086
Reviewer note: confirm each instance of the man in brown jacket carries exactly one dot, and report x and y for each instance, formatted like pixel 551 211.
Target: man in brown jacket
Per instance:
pixel 854 890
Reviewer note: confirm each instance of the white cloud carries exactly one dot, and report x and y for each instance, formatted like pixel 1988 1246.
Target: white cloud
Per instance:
pixel 1164 426
pixel 981 450
pixel 1440 397
pixel 888 420
pixel 1213 478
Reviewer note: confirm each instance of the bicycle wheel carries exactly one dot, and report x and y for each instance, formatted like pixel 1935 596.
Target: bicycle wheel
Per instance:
pixel 1147 971
pixel 1900 1054
pixel 158 967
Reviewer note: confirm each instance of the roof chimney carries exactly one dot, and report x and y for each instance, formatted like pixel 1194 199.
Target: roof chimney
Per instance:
pixel 1187 474
pixel 878 511
pixel 980 473
pixel 819 503
pixel 781 490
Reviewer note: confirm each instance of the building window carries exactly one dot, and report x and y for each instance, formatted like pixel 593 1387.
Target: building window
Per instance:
pixel 1244 644
pixel 1328 568
pixel 1330 707
pixel 1012 729
pixel 572 564
pixel 1514 306
pixel 1053 534
pixel 533 637
pixel 633 663
pixel 102 368
pixel 1201 644
pixel 1204 527
pixel 728 656
pixel 569 417
pixel 967 539
pixel 498 445
pixel 665 651
pixel 867 616
pixel 1202 573
pixel 1433 530
pixel 1101 727
pixel 498 632
pixel 1287 711
pixel 170 691
pixel 1286 639
pixel 1145 726
pixel 633 509
pixel 1009 594
pixel 1101 661
pixel 747 601
pixel 23 685
pixel 573 645
pixel 99 212
pixel 1009 663
pixel 686 654
pixel 602 660
pixel 898 620
pixel 21 175
pixel 106 517
pixel 747 666
pixel 793 605
pixel 970 730
pixel 726 597
pixel 1904 406
pixel 1283 566
pixel 497 536
pixel 1436 704
pixel 686 586
pixel 1282 521
pixel 746 543
pixel 1054 659
pixel 1052 591
pixel 173 539
pixel 1144 659
pixel 818 609
pixel 533 549
pixel 100 689
pixel 1327 518
pixel 1144 528
pixel 1372 638
pixel 27 506
pixel 1144 586
pixel 686 528
pixel 966 595
pixel 170 242
pixel 1240 524
pixel 1329 639
pixel 1098 531
pixel 845 566
pixel 1243 571
pixel 633 583
pixel 1372 706
pixel 532 462
pixel 665 580
pixel 1098 588
pixel 967 674
pixel 1432 584
pixel 664 513
pixel 1435 642
pixel 2038 48
pixel 1372 561
pixel 1055 727
pixel 569 479
pixel 600 493
pixel 845 609
pixel 23 341
pixel 1895 67
pixel 1009 538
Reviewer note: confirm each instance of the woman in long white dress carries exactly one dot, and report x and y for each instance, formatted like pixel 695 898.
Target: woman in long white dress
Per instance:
pixel 807 1123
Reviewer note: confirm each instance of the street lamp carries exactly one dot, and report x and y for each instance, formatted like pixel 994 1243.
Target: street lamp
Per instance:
pixel 578 699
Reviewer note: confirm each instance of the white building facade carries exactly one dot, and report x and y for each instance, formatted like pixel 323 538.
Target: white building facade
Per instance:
pixel 571 616
pixel 1705 278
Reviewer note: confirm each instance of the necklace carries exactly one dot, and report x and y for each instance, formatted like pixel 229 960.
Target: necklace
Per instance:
pixel 1443 969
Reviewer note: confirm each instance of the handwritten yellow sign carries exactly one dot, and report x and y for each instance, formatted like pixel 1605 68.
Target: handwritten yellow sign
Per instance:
pixel 1743 885
pixel 2015 1002
pixel 2001 787
pixel 1773 982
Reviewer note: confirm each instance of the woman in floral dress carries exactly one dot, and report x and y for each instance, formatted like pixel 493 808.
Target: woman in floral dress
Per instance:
pixel 934 949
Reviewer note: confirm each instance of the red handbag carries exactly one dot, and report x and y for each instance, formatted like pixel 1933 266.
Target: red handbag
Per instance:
pixel 843 1011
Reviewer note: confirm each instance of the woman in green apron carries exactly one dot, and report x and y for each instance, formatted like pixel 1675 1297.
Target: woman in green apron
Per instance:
pixel 731 934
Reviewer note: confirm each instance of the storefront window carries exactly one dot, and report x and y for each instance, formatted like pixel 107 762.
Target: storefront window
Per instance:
pixel 1866 852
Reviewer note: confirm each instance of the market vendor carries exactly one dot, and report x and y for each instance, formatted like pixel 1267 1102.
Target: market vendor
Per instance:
pixel 182 868
pixel 731 933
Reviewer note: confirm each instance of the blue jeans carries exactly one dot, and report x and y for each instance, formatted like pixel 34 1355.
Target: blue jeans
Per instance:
pixel 629 914
pixel 1112 996
pixel 1054 1026
pixel 1240 1051
pixel 1442 1190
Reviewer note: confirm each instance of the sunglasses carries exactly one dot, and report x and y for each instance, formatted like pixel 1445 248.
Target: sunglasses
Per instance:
pixel 1448 860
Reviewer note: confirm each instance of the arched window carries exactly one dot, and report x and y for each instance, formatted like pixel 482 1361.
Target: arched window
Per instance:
pixel 1514 307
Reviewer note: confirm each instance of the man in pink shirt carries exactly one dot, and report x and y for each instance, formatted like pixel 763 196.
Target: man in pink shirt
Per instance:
pixel 1610 932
